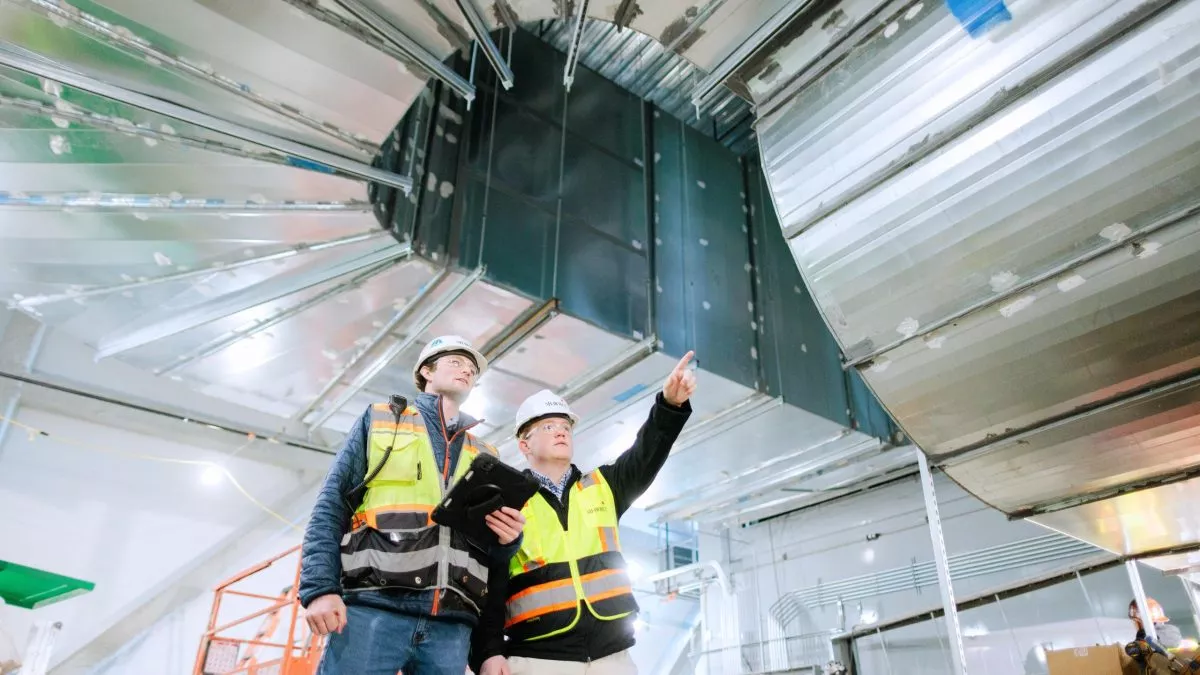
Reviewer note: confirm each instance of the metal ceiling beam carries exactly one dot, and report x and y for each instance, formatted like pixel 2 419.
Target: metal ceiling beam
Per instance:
pixel 111 202
pixel 299 154
pixel 526 324
pixel 60 10
pixel 245 332
pixel 194 579
pixel 233 303
pixel 781 471
pixel 63 389
pixel 573 44
pixel 68 113
pixel 296 250
pixel 373 19
pixel 380 335
pixel 725 419
pixel 589 381
pixel 412 335
pixel 506 14
pixel 484 39
pixel 704 91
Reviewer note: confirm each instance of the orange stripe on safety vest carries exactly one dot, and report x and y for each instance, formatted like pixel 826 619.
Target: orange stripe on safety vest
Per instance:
pixel 541 611
pixel 370 517
pixel 391 426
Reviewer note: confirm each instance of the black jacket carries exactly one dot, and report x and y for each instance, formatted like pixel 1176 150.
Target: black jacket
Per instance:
pixel 591 639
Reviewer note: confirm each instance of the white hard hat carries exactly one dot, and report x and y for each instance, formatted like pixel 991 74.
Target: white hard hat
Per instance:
pixel 541 404
pixel 442 345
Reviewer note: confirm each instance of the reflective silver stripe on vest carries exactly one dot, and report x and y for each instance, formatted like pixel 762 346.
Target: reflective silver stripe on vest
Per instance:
pixel 588 481
pixel 413 561
pixel 526 605
pixel 597 585
pixel 608 537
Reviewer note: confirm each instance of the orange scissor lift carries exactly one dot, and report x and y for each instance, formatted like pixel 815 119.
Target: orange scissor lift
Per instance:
pixel 229 648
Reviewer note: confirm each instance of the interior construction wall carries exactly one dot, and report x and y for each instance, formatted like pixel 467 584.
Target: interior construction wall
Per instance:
pixel 886 529
pixel 81 499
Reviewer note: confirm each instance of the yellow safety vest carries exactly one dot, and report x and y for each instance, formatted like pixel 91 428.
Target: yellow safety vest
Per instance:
pixel 557 573
pixel 393 543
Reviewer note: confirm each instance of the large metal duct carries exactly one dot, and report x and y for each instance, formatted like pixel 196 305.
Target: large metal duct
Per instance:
pixel 1001 225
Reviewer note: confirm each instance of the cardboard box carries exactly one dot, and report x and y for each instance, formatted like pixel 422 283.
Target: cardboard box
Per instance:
pixel 1096 660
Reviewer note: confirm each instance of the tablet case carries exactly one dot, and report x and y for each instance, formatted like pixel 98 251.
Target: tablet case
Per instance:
pixel 487 486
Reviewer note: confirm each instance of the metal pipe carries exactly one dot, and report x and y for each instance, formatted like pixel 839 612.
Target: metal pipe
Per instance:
pixel 90 25
pixel 1139 596
pixel 384 360
pixel 484 39
pixel 223 341
pixel 299 155
pixel 573 45
pixel 106 202
pixel 397 38
pixel 38 300
pixel 239 301
pixel 380 335
pixel 945 585
pixel 1175 218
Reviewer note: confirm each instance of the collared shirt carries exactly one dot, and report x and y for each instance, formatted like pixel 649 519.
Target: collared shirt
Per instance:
pixel 555 489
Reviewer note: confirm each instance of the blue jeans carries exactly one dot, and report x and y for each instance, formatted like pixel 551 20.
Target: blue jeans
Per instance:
pixel 379 642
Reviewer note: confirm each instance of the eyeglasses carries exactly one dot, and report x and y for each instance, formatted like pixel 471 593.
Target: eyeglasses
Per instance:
pixel 458 362
pixel 550 428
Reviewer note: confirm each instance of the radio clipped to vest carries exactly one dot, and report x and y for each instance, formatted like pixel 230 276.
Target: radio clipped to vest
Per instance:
pixel 397 404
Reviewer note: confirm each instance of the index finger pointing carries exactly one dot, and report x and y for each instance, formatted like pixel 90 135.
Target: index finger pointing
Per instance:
pixel 682 365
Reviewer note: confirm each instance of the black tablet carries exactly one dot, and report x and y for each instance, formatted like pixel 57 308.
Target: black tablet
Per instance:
pixel 487 486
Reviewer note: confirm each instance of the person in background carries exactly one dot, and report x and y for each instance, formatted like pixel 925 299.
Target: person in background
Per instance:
pixel 1169 635
pixel 392 590
pixel 565 602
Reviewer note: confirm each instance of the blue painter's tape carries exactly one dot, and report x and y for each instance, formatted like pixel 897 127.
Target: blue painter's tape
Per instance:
pixel 308 164
pixel 629 393
pixel 979 16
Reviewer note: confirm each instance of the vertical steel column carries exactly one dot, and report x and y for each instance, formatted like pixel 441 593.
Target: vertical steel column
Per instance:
pixel 953 630
pixel 1190 589
pixel 1139 596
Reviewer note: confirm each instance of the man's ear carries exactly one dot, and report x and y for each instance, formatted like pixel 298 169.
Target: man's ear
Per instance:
pixel 523 446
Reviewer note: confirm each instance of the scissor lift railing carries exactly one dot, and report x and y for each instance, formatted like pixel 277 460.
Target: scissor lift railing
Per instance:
pixel 222 653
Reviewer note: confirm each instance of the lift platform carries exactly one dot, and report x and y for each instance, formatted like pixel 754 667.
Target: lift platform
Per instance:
pixel 279 644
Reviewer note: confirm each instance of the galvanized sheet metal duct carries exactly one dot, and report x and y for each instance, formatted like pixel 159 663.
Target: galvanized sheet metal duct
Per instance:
pixel 1002 233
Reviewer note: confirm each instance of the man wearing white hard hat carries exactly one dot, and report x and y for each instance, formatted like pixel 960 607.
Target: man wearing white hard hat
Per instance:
pixel 564 603
pixel 392 590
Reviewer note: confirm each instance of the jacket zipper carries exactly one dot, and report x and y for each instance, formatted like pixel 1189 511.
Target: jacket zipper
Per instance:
pixel 443 566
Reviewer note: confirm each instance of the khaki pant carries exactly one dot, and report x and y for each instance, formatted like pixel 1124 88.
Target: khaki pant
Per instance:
pixel 620 663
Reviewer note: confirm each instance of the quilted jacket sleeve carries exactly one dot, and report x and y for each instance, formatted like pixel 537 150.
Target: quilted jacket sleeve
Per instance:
pixel 321 562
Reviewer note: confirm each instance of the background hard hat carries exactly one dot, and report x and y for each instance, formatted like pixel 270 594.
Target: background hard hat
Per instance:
pixel 443 345
pixel 541 404
pixel 1157 615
